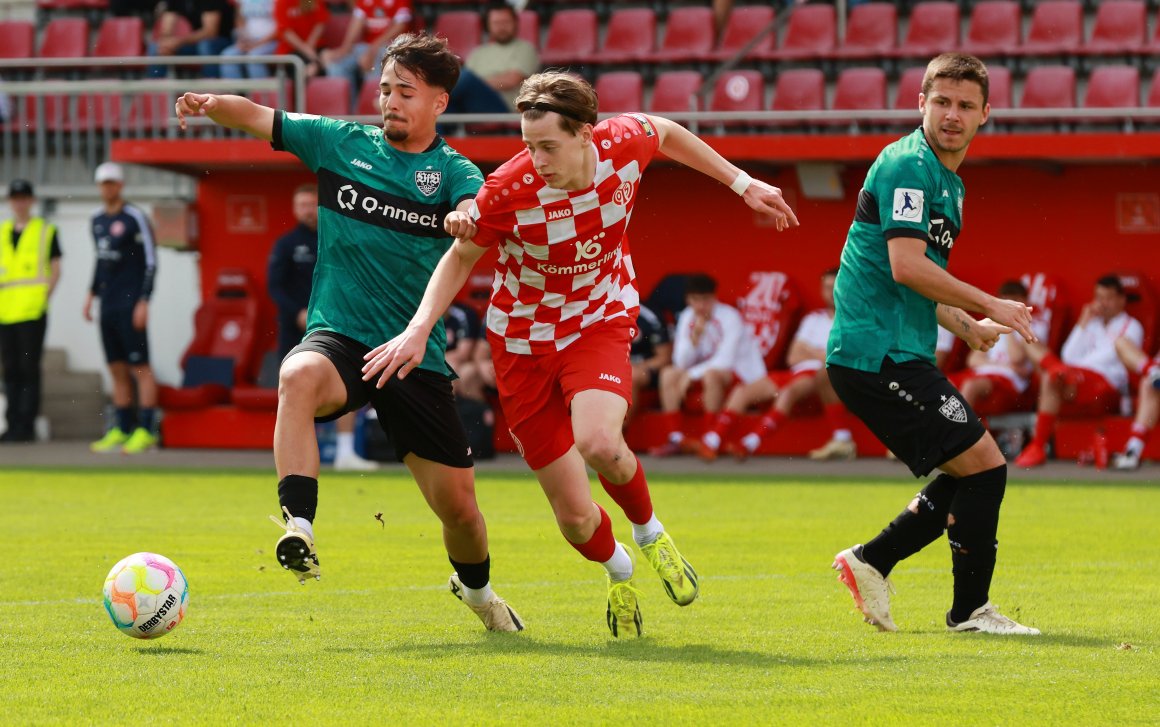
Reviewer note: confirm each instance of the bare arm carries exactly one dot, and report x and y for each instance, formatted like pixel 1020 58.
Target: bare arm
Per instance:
pixel 232 112
pixel 800 351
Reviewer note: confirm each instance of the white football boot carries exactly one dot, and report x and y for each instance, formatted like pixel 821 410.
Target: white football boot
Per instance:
pixel 495 614
pixel 870 589
pixel 295 550
pixel 986 619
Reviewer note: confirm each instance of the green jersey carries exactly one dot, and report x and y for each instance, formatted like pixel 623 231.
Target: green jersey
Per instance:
pixel 908 193
pixel 380 225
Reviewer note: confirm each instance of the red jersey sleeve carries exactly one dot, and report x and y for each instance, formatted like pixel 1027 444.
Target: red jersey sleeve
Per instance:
pixel 636 135
pixel 493 210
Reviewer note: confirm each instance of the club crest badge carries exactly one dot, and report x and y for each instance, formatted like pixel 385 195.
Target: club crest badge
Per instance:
pixel 428 181
pixel 953 410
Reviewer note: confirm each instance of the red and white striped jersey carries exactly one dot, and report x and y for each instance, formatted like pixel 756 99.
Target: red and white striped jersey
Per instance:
pixel 564 262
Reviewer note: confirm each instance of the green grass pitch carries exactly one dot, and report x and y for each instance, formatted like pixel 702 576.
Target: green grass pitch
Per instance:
pixel 772 639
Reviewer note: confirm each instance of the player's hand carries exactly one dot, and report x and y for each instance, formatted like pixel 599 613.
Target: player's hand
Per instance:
pixel 985 334
pixel 194 104
pixel 767 199
pixel 87 310
pixel 141 315
pixel 402 353
pixel 459 225
pixel 1014 315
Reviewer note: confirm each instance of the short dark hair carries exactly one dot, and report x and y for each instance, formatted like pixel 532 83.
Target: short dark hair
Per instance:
pixel 830 273
pixel 504 7
pixel 1013 288
pixel 308 188
pixel 1111 280
pixel 426 56
pixel 700 284
pixel 568 95
pixel 957 67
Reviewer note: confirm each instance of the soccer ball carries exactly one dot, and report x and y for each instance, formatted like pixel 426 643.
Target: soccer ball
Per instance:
pixel 146 595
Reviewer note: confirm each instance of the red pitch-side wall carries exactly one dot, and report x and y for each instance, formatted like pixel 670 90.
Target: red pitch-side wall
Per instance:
pixel 1075 221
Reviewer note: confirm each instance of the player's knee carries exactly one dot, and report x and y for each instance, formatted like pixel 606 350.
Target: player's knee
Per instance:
pixel 296 380
pixel 460 514
pixel 576 524
pixel 598 447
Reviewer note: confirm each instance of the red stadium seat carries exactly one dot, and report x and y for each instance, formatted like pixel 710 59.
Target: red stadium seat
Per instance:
pixel 994 28
pixel 676 91
pixel 688 35
pixel 181 26
pixel 1049 87
pixel 1113 87
pixel 120 37
pixel 1121 27
pixel 909 86
pixel 933 29
pixel 16 39
pixel 334 31
pixel 1000 87
pixel 571 37
pixel 799 89
pixel 744 24
pixel 812 33
pixel 631 36
pixel 738 91
pixel 860 89
pixel 620 91
pixel 1153 100
pixel 328 96
pixel 530 27
pixel 1048 300
pixel 872 31
pixel 1056 28
pixel 463 30
pixel 368 98
pixel 65 38
pixel 148 114
pixel 770 311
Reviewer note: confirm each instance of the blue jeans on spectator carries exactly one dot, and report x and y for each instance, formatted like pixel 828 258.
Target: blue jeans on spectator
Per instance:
pixel 207 47
pixel 347 67
pixel 251 70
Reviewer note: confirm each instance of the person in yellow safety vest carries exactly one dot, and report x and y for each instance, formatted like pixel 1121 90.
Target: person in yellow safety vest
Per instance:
pixel 29 268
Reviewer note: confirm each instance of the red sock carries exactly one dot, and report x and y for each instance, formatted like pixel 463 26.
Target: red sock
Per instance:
pixel 770 422
pixel 724 423
pixel 1051 364
pixel 632 497
pixel 601 545
pixel 1139 430
pixel 835 416
pixel 673 423
pixel 1044 426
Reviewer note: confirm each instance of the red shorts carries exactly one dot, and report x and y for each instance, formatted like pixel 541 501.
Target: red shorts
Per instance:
pixel 1004 396
pixel 536 390
pixel 1093 394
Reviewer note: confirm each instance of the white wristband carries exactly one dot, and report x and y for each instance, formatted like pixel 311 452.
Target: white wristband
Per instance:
pixel 741 183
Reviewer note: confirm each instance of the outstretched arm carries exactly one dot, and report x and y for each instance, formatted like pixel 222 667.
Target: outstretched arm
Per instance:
pixel 681 145
pixel 232 112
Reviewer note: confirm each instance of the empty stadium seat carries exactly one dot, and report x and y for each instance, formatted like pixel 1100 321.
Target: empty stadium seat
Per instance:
pixel 744 23
pixel 1049 87
pixel 933 29
pixel 799 89
pixel 676 91
pixel 1000 87
pixel 909 86
pixel 571 37
pixel 620 91
pixel 871 31
pixel 860 89
pixel 16 39
pixel 148 113
pixel 530 27
pixel 994 28
pixel 1153 100
pixel 631 36
pixel 120 37
pixel 65 38
pixel 1121 27
pixel 688 35
pixel 1056 28
pixel 812 33
pixel 328 96
pixel 738 91
pixel 1113 87
pixel 368 98
pixel 463 30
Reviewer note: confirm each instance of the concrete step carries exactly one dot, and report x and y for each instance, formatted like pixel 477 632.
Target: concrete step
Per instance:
pixel 75 386
pixel 55 361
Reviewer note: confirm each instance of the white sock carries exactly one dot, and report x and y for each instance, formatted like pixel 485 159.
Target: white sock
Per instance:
pixel 712 440
pixel 619 566
pixel 1135 447
pixel 648 532
pixel 304 524
pixel 676 437
pixel 344 445
pixel 843 435
pixel 751 441
pixel 478 596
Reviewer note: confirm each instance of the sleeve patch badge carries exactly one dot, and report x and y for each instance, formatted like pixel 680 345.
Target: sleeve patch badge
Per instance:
pixel 644 123
pixel 907 205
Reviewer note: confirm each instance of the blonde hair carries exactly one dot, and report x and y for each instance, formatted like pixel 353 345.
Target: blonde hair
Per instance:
pixel 569 96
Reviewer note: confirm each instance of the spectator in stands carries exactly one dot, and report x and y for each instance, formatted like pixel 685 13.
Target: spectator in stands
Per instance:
pixel 123 280
pixel 999 376
pixel 806 377
pixel 256 34
pixel 133 8
pixel 212 22
pixel 1088 374
pixel 651 352
pixel 300 27
pixel 374 24
pixel 289 278
pixel 505 60
pixel 464 332
pixel 29 270
pixel 711 347
pixel 1147 402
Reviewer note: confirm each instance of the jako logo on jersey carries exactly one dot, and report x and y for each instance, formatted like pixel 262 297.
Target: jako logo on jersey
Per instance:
pixel 610 377
pixel 623 194
pixel 907 205
pixel 427 180
pixel 559 214
pixel 361 164
pixel 588 249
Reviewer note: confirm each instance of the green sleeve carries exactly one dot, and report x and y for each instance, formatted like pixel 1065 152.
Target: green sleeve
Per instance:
pixel 464 179
pixel 310 138
pixel 904 191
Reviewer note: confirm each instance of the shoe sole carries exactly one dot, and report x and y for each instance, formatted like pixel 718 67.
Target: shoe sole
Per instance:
pixel 846 576
pixel 293 555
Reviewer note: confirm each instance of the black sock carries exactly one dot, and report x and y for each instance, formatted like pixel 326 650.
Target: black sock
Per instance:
pixel 473 575
pixel 910 532
pixel 126 419
pixel 299 495
pixel 975 522
pixel 148 418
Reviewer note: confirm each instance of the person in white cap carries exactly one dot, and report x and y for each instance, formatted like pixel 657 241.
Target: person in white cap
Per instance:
pixel 123 280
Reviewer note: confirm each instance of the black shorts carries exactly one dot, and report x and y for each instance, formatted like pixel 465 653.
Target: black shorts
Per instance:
pixel 417 413
pixel 123 343
pixel 912 408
